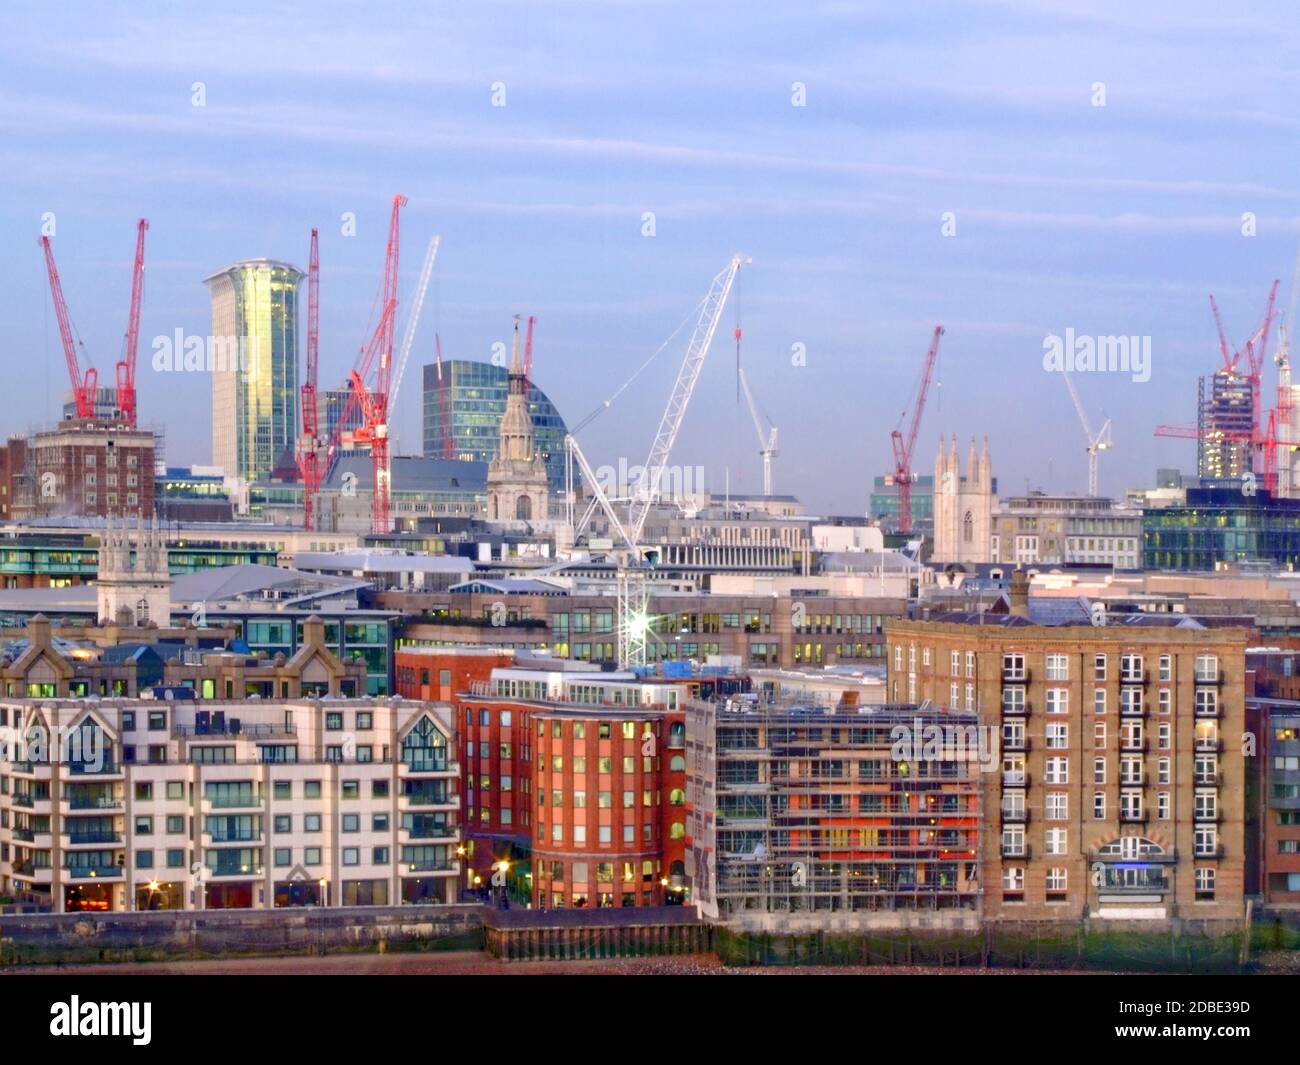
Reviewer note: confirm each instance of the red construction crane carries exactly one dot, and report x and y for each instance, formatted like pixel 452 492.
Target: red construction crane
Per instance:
pixel 83 388
pixel 126 365
pixel 372 401
pixel 309 442
pixel 444 403
pixel 903 476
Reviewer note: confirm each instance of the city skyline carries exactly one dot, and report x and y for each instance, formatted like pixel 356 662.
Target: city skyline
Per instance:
pixel 1108 220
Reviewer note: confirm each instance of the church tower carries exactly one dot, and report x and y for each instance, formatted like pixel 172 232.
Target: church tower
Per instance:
pixel 516 481
pixel 963 506
pixel 135 592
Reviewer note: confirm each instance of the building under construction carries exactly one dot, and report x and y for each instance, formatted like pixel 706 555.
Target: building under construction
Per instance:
pixel 799 810
pixel 1224 423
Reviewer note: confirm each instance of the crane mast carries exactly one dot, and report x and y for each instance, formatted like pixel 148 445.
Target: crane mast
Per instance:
pixel 766 444
pixel 904 447
pixel 126 366
pixel 83 388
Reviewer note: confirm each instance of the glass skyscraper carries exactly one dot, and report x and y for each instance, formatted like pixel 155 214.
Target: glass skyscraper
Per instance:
pixel 471 400
pixel 253 358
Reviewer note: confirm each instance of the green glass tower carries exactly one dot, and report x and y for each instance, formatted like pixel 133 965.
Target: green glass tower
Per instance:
pixel 253 357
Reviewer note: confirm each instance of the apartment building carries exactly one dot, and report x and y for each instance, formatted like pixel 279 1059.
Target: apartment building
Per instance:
pixel 804 815
pixel 1122 785
pixel 126 804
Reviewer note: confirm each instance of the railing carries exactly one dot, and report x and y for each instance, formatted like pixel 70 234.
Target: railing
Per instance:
pixel 235 837
pixel 241 731
pixel 1015 814
pixel 94 872
pixel 429 866
pixel 1015 780
pixel 75 838
pixel 1015 743
pixel 223 869
pixel 27 801
pixel 78 769
pixel 1134 889
pixel 233 802
pixel 427 765
pixel 95 802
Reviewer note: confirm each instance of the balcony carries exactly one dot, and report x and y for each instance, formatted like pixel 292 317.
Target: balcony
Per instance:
pixel 1131 817
pixel 429 801
pixel 91 804
pixel 1015 780
pixel 431 834
pixel 1207 817
pixel 1015 709
pixel 431 865
pixel 103 770
pixel 1015 743
pixel 1206 679
pixel 249 801
pixel 1209 746
pixel 94 872
pixel 1015 815
pixel 1134 747
pixel 1158 885
pixel 1209 712
pixel 1208 780
pixel 34 874
pixel 90 839
pixel 417 767
pixel 39 840
pixel 1017 850
pixel 1015 674
pixel 233 871
pixel 1209 852
pixel 1134 676
pixel 1131 710
pixel 1132 781
pixel 231 839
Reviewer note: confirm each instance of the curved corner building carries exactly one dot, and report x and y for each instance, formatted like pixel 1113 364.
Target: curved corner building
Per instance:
pixel 472 399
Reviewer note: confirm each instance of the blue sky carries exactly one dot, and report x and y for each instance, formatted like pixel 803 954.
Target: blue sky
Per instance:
pixel 1108 220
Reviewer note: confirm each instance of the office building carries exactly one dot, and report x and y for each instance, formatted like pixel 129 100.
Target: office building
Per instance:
pixel 470 402
pixel 253 359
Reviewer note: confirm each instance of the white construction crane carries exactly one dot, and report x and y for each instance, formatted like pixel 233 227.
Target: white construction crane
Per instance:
pixel 633 622
pixel 766 444
pixel 404 352
pixel 1096 442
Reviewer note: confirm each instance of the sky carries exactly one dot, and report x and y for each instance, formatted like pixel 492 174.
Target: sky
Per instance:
pixel 1010 169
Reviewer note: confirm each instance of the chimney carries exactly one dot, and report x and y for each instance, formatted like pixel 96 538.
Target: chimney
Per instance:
pixel 1020 593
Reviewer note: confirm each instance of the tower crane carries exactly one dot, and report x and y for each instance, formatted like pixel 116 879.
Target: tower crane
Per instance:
pixel 444 402
pixel 1096 443
pixel 372 401
pixel 408 336
pixel 904 478
pixel 766 444
pixel 633 622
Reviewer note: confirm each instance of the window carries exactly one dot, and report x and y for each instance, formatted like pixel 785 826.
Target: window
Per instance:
pixel 1207 669
pixel 334 721
pixel 1162 770
pixel 1099 805
pixel 1206 840
pixel 1054 841
pixel 311 823
pixel 1099 667
pixel 311 856
pixel 283 823
pixel 1013 879
pixel 1058 700
pixel 1130 669
pixel 1099 770
pixel 284 789
pixel 1057 771
pixel 175 824
pixel 351 856
pixel 1204 884
pixel 1013 667
pixel 1166 667
pixel 143 859
pixel 1162 805
pixel 311 789
pixel 1057 805
pixel 282 857
pixel 1099 700
pixel 351 822
pixel 1056 880
pixel 1058 667
pixel 1058 735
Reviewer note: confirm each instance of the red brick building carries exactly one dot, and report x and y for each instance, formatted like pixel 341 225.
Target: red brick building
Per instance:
pixel 575 777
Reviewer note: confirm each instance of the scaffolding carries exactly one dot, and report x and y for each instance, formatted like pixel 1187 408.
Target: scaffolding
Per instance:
pixel 801 807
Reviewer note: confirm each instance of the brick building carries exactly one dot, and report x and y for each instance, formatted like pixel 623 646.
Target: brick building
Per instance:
pixel 82 467
pixel 574 776
pixel 1122 785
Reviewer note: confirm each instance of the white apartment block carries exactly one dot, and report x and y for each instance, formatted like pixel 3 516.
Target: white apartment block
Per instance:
pixel 130 804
